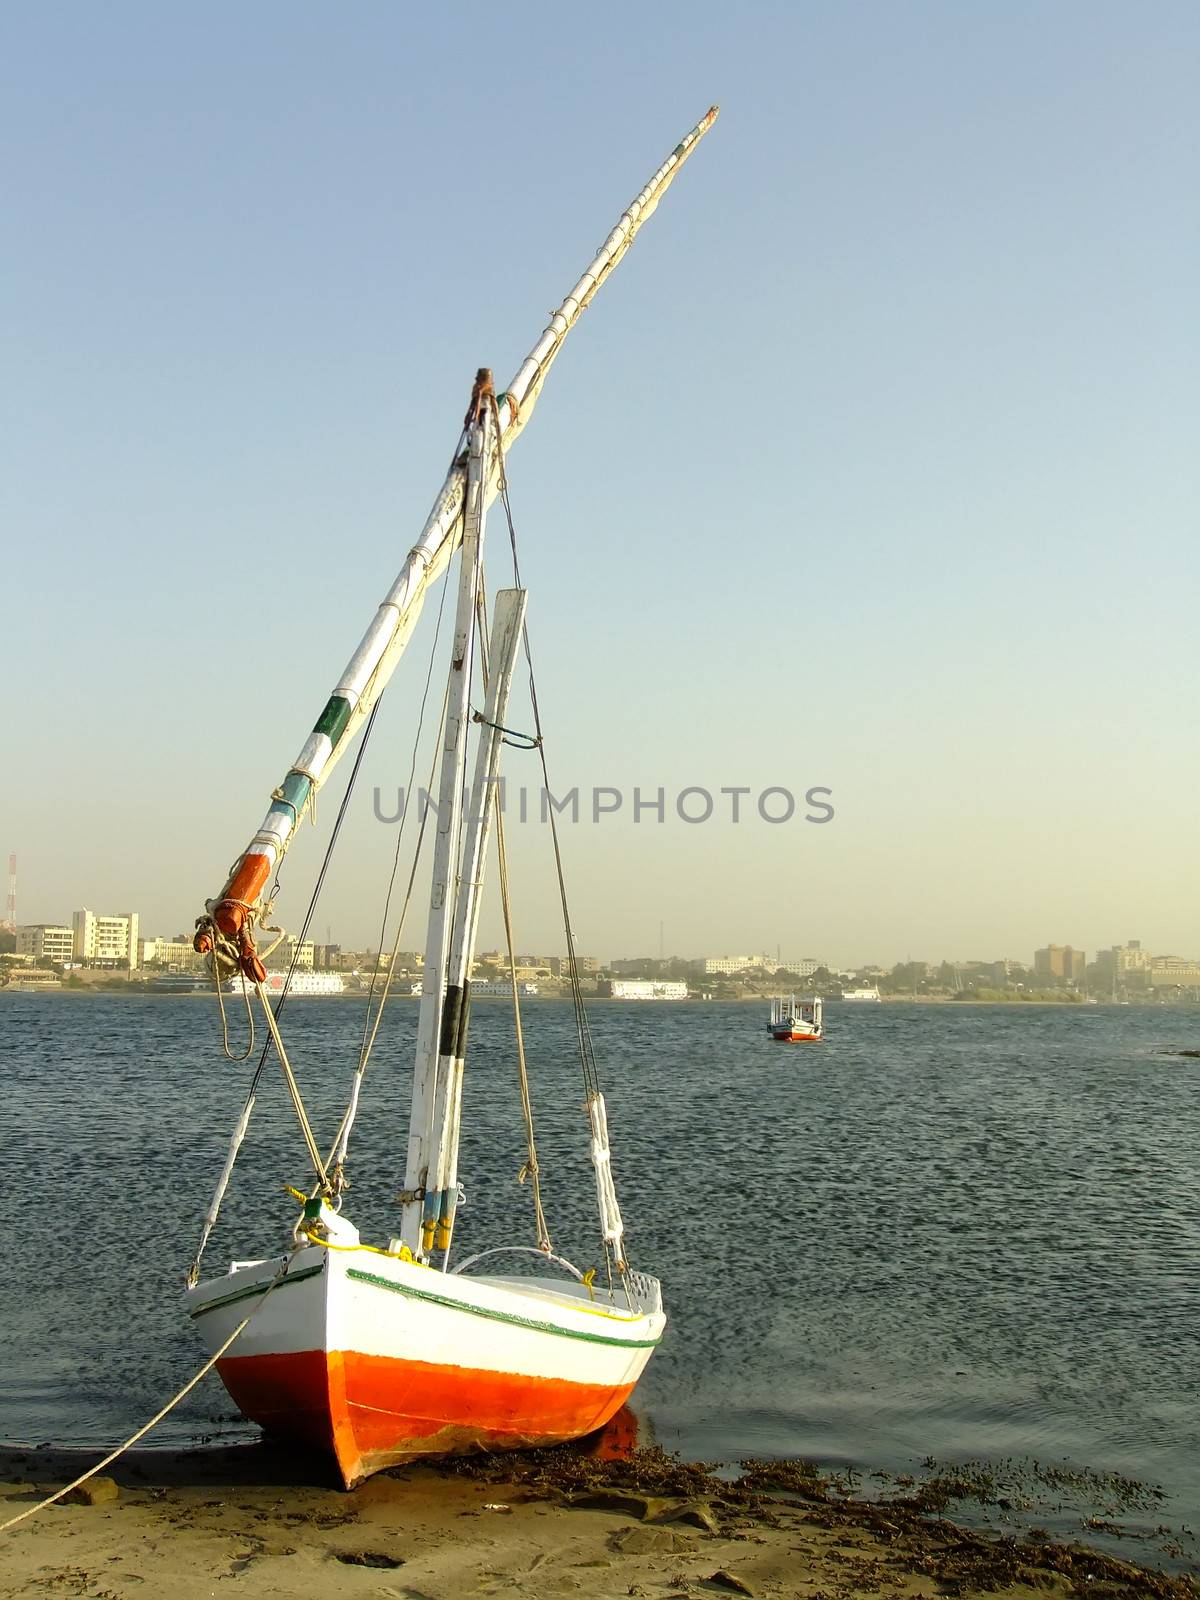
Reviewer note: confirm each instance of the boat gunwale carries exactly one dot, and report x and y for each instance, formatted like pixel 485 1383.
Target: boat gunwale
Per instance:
pixel 494 1314
pixel 472 1308
pixel 259 1286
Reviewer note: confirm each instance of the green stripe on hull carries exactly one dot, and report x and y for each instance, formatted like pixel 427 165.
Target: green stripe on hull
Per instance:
pixel 259 1288
pixel 498 1316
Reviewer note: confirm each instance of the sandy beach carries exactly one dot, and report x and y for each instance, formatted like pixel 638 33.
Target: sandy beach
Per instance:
pixel 244 1521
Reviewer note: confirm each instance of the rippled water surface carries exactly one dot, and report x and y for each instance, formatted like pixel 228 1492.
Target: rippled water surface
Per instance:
pixel 949 1230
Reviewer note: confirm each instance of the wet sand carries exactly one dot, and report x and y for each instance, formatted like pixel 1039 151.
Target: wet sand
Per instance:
pixel 251 1522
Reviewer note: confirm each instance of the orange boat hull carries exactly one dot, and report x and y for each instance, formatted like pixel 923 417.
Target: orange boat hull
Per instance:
pixel 374 1360
pixel 371 1412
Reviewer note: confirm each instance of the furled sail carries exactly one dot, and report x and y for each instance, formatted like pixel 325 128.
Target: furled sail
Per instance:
pixel 228 920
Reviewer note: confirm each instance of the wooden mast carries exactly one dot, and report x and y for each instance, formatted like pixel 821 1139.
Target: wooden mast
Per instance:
pixel 444 887
pixel 441 1182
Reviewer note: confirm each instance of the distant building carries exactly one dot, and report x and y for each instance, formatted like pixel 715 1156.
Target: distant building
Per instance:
pixel 106 941
pixel 1059 963
pixel 1131 957
pixel 300 956
pixel 560 967
pixel 1123 961
pixel 644 989
pixel 636 966
pixel 489 969
pixel 1002 970
pixel 32 979
pixel 804 968
pixel 42 941
pixel 407 962
pixel 175 955
pixel 728 964
pixel 1174 972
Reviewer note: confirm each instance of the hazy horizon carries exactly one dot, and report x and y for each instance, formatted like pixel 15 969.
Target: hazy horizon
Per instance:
pixel 871 470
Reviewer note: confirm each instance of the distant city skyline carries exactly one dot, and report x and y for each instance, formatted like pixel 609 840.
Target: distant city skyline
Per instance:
pixel 85 931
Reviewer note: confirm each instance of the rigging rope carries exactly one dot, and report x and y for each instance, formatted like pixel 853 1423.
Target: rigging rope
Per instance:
pixel 530 1170
pixel 320 883
pixel 314 1154
pixel 227 1052
pixel 239 1132
pixel 611 1227
pixel 591 1078
pixel 518 741
pixel 337 1155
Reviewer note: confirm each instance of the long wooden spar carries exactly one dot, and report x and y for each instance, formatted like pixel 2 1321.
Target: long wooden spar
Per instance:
pixel 231 915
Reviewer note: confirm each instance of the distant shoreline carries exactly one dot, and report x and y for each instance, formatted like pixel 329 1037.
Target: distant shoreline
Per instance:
pixel 137 991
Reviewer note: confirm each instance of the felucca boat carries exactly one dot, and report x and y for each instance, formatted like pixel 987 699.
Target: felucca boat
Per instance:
pixel 374 1354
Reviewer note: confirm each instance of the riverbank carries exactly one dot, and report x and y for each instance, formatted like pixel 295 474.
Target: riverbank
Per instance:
pixel 547 1523
pixel 559 992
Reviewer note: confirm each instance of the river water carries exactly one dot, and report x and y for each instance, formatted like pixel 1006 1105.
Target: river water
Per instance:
pixel 956 1231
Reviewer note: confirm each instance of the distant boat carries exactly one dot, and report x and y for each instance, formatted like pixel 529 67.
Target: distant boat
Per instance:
pixel 872 996
pixel 503 987
pixel 796 1021
pixel 644 989
pixel 302 983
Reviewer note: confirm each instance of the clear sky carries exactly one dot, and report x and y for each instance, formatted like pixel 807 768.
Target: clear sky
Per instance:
pixel 874 466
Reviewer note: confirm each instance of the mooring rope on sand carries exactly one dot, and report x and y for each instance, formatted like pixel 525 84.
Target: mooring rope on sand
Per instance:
pixel 154 1420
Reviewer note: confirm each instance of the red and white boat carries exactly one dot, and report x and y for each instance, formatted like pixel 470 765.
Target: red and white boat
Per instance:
pixel 375 1360
pixel 373 1354
pixel 796 1021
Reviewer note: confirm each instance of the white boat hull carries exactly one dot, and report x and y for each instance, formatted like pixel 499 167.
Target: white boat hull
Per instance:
pixel 374 1360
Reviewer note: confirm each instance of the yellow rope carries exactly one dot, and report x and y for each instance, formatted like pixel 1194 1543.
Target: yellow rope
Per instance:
pixel 403 1254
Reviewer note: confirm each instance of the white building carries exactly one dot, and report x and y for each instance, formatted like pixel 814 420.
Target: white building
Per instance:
pixel 1174 972
pixel 728 964
pixel 106 941
pixel 560 967
pixel 45 942
pixel 1132 958
pixel 174 955
pixel 304 960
